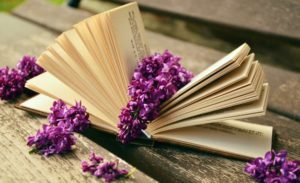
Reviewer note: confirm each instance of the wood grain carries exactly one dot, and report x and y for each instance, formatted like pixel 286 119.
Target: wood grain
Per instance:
pixel 170 163
pixel 278 17
pixel 17 165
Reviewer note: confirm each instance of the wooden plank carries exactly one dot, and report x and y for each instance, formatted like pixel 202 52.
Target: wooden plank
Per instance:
pixel 57 22
pixel 284 96
pixel 269 17
pixel 17 165
pixel 285 92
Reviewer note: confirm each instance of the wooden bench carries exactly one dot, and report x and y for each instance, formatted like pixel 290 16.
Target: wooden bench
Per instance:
pixel 36 24
pixel 270 27
pixel 277 18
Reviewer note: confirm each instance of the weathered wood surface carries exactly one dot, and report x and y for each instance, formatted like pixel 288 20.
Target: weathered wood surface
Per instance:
pixel 280 17
pixel 168 163
pixel 57 16
pixel 17 165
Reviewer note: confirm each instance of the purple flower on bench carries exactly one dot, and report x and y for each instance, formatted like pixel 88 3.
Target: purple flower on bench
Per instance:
pixel 107 170
pixel 274 167
pixel 11 83
pixel 52 140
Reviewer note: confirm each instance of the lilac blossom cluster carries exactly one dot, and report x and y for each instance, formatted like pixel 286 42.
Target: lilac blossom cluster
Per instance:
pixel 107 170
pixel 58 136
pixel 12 81
pixel 74 118
pixel 27 65
pixel 274 167
pixel 52 140
pixel 156 79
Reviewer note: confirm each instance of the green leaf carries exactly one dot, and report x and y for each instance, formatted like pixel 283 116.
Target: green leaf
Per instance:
pixel 34 150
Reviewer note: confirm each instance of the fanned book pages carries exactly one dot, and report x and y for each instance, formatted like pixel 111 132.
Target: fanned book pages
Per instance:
pixel 94 61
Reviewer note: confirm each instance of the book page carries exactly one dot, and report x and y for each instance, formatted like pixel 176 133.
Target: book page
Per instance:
pixel 94 61
pixel 246 91
pixel 237 98
pixel 41 104
pixel 129 36
pixel 229 99
pixel 252 109
pixel 221 84
pixel 235 138
pixel 48 85
pixel 215 71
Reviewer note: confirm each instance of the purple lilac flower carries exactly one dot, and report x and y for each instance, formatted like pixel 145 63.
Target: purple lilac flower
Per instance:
pixel 52 140
pixel 27 65
pixel 91 167
pixel 107 170
pixel 274 167
pixel 74 118
pixel 58 111
pixel 11 83
pixel 58 137
pixel 156 79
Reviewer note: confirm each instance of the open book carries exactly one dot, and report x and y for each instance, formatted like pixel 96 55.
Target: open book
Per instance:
pixel 94 61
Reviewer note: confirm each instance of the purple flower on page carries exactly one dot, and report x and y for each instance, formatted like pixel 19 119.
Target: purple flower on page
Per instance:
pixel 11 83
pixel 51 140
pixel 74 118
pixel 156 79
pixel 96 166
pixel 274 167
pixel 27 65
pixel 58 111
